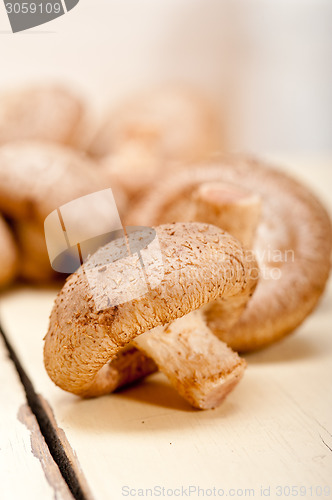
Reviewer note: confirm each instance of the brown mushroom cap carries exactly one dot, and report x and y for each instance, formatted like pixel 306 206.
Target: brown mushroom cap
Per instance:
pixel 46 113
pixel 200 263
pixel 8 254
pixel 292 243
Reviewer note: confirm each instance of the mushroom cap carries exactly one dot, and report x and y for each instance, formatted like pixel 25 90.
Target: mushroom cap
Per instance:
pixel 200 264
pixel 292 243
pixel 175 123
pixel 8 254
pixel 43 112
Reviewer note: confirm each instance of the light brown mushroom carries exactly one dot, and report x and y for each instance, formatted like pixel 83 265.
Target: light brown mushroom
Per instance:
pixel 230 206
pixel 8 254
pixel 235 210
pixel 144 135
pixel 292 243
pixel 82 340
pixel 41 112
pixel 36 178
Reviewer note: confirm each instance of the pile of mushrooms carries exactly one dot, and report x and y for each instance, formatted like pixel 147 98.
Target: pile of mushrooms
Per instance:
pixel 279 219
pixel 50 154
pixel 245 248
pixel 38 128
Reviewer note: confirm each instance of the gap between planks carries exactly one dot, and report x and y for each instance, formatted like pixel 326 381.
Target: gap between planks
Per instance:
pixel 55 438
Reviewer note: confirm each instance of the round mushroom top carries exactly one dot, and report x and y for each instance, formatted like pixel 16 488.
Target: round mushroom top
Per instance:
pixel 46 113
pixel 200 263
pixel 38 177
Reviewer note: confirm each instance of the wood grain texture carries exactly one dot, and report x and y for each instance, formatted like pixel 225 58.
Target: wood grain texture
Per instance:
pixel 27 469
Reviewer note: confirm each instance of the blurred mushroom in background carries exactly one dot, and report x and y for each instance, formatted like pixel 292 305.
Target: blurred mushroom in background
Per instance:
pixel 35 179
pixel 40 112
pixel 154 131
pixel 8 255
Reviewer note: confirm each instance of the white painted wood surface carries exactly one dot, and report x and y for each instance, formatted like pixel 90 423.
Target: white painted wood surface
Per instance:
pixel 274 429
pixel 27 469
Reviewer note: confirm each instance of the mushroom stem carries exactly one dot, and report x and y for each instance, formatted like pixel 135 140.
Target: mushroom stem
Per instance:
pixel 201 368
pixel 236 211
pixel 232 209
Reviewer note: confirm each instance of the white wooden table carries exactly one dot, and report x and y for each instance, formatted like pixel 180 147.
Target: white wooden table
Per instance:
pixel 272 436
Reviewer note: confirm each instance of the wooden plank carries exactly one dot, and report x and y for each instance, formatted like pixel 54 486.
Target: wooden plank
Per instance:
pixel 27 469
pixel 273 430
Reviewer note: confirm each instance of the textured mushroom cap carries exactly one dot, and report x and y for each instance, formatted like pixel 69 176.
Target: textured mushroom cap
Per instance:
pixel 8 254
pixel 46 113
pixel 200 263
pixel 292 244
pixel 173 123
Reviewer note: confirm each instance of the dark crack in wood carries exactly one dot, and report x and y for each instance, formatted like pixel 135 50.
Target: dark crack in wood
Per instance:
pixel 60 449
pixel 327 446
